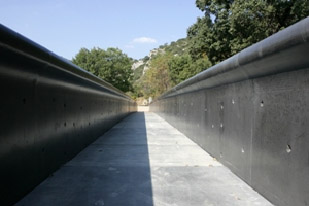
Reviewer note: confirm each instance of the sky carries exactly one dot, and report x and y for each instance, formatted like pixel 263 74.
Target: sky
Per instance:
pixel 134 26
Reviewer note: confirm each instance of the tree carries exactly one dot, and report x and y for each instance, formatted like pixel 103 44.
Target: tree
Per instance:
pixel 111 65
pixel 210 34
pixel 229 26
pixel 254 20
pixel 184 67
pixel 156 79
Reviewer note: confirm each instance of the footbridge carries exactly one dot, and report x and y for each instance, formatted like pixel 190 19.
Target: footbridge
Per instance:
pixel 235 134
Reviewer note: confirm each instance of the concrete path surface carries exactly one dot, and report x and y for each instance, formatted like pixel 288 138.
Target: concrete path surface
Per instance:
pixel 143 161
pixel 142 108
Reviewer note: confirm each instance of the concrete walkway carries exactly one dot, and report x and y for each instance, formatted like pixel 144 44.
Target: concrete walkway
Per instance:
pixel 143 161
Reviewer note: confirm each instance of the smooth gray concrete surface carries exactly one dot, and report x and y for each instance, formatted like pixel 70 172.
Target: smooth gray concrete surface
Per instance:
pixel 143 161
pixel 258 128
pixel 50 110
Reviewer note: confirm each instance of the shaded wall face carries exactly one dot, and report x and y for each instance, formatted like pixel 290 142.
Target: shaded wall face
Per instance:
pixel 258 128
pixel 47 116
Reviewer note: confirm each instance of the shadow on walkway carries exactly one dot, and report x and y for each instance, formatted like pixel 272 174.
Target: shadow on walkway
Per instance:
pixel 114 170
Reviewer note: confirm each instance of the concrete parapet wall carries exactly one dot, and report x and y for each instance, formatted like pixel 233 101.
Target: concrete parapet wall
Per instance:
pixel 251 113
pixel 50 110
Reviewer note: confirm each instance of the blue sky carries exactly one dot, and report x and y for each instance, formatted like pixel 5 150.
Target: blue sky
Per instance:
pixel 135 26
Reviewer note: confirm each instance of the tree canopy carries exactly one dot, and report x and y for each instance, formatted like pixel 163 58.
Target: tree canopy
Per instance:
pixel 111 64
pixel 229 26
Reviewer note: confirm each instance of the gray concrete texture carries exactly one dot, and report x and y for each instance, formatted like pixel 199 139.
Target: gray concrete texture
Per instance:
pixel 258 128
pixel 143 161
pixel 251 112
pixel 50 110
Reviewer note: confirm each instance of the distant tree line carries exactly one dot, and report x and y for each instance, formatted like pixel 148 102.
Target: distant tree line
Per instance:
pixel 227 27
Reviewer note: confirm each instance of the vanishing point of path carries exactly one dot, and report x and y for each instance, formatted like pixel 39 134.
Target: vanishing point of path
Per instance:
pixel 143 161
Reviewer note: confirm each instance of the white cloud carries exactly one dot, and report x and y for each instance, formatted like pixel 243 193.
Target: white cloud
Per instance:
pixel 144 40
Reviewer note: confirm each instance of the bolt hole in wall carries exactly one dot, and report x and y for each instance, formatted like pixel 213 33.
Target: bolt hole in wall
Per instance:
pixel 262 103
pixel 288 148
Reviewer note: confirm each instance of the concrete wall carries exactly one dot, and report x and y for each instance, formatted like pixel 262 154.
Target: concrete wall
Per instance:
pixel 251 112
pixel 50 110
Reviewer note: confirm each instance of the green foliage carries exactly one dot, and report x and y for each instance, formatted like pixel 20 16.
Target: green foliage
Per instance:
pixel 145 59
pixel 232 25
pixel 156 80
pixel 138 72
pixel 184 67
pixel 178 48
pixel 165 71
pixel 211 38
pixel 254 20
pixel 111 65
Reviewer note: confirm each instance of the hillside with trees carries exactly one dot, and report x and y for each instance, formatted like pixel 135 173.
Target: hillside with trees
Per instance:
pixel 168 68
pixel 227 27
